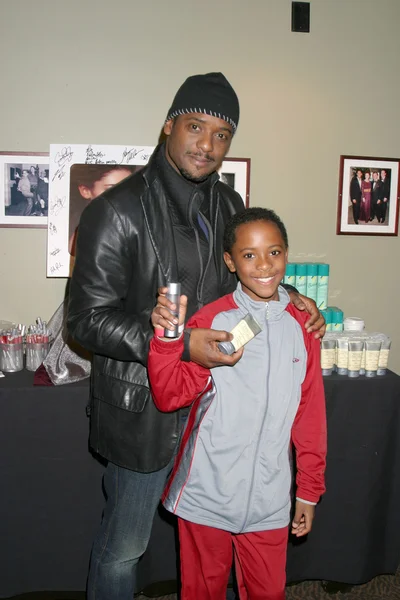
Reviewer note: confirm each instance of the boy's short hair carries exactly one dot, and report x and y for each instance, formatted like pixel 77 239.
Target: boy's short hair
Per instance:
pixel 250 215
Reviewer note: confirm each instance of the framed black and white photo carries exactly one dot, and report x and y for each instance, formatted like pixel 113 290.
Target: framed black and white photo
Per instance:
pixel 24 189
pixel 368 202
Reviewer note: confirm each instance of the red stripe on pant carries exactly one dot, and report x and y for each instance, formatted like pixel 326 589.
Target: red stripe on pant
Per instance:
pixel 206 558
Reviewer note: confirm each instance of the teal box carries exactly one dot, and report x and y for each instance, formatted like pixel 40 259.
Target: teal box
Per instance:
pixel 290 274
pixel 301 278
pixel 312 280
pixel 327 314
pixel 337 318
pixel 322 285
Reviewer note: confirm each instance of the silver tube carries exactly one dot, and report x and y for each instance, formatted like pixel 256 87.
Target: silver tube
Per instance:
pixel 355 356
pixel 173 294
pixel 362 367
pixel 342 355
pixel 328 356
pixel 372 349
pixel 384 355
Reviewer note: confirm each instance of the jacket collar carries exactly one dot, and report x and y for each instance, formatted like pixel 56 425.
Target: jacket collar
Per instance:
pixel 168 189
pixel 261 311
pixel 186 198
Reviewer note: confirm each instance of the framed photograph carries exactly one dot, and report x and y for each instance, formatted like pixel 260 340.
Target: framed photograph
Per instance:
pixel 368 202
pixel 24 189
pixel 236 173
pixel 78 173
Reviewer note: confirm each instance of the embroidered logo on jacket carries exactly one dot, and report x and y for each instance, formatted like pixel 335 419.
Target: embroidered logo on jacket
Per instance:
pixel 295 360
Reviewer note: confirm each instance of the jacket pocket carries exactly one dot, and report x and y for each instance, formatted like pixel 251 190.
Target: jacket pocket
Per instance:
pixel 122 394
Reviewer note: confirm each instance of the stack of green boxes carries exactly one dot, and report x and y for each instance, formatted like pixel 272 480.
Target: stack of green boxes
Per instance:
pixel 334 318
pixel 311 279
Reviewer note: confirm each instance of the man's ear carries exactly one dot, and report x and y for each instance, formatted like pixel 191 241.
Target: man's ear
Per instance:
pixel 168 126
pixel 85 192
pixel 229 262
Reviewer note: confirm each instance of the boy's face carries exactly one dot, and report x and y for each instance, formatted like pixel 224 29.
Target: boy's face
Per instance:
pixel 259 258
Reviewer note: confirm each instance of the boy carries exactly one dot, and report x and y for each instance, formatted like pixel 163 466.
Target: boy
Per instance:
pixel 231 482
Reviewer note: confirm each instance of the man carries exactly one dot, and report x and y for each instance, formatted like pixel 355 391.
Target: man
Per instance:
pixel 385 185
pixel 376 197
pixel 24 186
pixel 165 223
pixel 43 192
pixel 355 194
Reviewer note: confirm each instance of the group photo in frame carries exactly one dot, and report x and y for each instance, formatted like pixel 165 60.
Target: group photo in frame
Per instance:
pixel 24 189
pixel 80 172
pixel 368 198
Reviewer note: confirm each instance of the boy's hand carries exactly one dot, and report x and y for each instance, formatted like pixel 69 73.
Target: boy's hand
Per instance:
pixel 303 518
pixel 161 317
pixel 204 350
pixel 316 322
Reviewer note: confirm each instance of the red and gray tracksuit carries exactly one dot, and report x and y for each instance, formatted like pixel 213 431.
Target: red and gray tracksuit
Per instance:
pixel 233 471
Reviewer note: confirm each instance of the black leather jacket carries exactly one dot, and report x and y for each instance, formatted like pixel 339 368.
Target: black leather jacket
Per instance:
pixel 125 251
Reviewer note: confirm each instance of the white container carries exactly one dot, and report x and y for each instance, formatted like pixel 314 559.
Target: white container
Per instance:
pixel 353 324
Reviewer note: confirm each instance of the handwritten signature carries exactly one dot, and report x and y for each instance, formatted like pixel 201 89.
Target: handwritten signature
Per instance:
pixel 52 229
pixel 132 153
pixel 55 252
pixel 61 159
pixel 56 267
pixel 57 205
pixel 59 174
pixel 93 157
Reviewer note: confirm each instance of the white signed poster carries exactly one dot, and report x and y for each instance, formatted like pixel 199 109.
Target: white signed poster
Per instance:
pixel 78 173
pixel 70 188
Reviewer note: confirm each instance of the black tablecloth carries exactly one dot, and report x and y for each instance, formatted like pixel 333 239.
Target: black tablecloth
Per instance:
pixel 51 498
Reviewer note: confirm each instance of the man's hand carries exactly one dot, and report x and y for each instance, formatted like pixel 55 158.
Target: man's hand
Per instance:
pixel 303 518
pixel 204 348
pixel 316 322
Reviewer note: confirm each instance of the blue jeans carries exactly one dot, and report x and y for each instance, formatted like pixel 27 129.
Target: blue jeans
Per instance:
pixel 132 500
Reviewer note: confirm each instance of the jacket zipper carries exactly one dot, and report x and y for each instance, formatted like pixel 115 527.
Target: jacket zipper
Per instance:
pixel 256 452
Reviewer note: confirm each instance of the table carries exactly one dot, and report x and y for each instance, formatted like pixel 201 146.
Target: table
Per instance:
pixel 51 499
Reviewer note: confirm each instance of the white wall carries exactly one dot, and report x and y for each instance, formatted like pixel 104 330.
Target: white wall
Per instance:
pixel 88 71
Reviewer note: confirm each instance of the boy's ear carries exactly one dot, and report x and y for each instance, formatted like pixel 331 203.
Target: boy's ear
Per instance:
pixel 229 262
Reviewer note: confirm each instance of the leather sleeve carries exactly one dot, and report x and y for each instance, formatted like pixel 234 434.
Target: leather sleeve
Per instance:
pixel 104 266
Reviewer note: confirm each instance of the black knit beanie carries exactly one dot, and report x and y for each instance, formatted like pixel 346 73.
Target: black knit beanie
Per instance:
pixel 211 94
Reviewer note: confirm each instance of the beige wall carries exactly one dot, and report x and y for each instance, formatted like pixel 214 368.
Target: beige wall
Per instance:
pixel 105 72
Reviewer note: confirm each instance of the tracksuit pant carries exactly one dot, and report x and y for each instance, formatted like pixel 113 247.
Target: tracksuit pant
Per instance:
pixel 206 558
